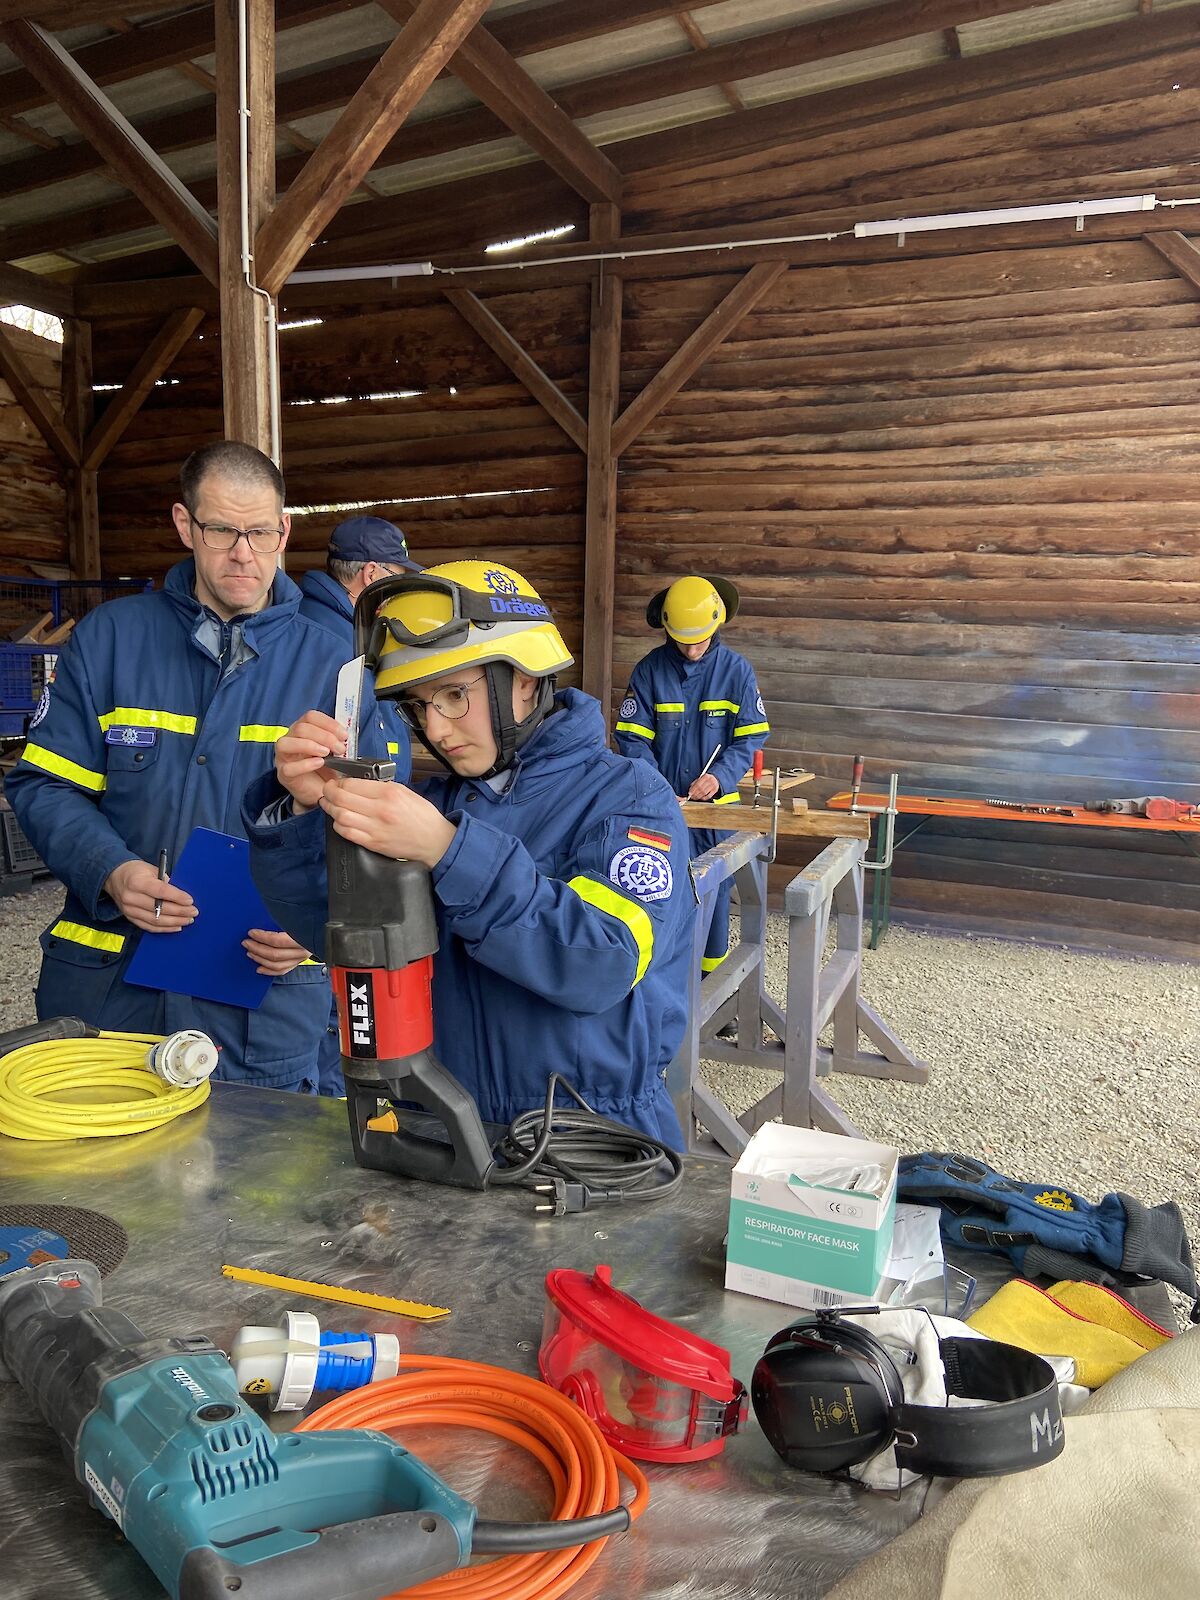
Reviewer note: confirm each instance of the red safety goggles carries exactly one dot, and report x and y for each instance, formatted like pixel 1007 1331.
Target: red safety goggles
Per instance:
pixel 655 1391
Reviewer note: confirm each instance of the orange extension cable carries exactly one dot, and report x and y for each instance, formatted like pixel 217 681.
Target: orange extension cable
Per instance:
pixel 580 1463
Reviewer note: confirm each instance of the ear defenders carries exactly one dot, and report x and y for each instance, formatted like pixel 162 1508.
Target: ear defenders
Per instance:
pixel 828 1395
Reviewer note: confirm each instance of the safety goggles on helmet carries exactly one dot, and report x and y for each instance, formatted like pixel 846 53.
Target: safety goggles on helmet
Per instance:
pixel 424 611
pixel 655 1390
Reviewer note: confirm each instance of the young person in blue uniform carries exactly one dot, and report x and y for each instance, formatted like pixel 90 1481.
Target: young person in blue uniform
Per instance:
pixel 163 709
pixel 693 710
pixel 361 551
pixel 559 870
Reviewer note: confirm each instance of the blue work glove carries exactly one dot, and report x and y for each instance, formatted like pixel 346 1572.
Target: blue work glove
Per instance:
pixel 1038 1225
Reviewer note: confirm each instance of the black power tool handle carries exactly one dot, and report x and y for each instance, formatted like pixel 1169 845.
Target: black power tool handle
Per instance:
pixel 421 1080
pixel 355 1561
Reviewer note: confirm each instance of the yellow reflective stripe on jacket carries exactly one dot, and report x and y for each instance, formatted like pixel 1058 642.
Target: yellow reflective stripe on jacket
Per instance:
pixel 727 799
pixel 38 756
pixel 711 963
pixel 635 727
pixel 78 934
pixel 720 705
pixel 751 727
pixel 393 749
pixel 260 733
pixel 145 717
pixel 670 705
pixel 635 918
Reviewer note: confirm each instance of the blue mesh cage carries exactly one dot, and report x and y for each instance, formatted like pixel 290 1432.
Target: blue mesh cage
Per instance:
pixel 25 668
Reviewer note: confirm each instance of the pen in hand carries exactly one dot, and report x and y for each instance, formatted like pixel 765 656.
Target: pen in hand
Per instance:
pixel 162 878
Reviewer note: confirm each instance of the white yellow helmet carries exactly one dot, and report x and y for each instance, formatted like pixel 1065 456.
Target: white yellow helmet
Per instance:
pixel 420 625
pixel 693 608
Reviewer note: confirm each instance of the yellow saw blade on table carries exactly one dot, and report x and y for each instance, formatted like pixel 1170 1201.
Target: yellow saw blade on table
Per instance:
pixel 346 1297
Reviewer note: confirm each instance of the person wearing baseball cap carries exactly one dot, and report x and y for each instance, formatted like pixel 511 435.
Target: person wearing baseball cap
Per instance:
pixel 361 551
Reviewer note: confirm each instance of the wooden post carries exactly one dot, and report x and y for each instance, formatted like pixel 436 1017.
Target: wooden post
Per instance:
pixel 247 315
pixel 82 483
pixel 600 523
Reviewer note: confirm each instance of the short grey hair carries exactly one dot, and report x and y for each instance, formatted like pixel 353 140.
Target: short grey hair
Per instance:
pixel 344 572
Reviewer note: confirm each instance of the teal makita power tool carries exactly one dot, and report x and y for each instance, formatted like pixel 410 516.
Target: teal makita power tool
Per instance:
pixel 212 1500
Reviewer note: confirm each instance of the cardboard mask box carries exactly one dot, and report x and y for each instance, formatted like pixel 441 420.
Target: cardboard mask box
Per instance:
pixel 811 1244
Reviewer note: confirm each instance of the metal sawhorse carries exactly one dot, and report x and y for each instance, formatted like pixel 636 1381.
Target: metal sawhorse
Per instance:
pixel 829 891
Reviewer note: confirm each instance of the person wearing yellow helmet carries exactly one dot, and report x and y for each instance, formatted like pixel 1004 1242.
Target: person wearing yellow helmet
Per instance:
pixel 559 869
pixel 693 711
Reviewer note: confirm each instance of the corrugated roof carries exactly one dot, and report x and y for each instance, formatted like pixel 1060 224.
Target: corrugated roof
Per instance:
pixel 363 33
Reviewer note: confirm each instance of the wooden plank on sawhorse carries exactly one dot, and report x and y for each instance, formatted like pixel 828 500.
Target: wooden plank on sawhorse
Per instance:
pixel 792 824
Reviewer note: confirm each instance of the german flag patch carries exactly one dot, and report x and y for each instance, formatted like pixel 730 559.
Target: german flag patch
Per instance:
pixel 657 841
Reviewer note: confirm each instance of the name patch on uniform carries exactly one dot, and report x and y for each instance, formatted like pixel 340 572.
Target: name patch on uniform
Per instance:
pixel 659 841
pixel 628 706
pixel 645 874
pixel 139 738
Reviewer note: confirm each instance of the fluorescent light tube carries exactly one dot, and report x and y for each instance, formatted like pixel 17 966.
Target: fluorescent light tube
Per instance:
pixel 992 219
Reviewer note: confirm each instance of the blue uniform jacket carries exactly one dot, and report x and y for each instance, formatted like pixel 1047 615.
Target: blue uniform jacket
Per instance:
pixel 677 712
pixel 145 735
pixel 565 914
pixel 325 602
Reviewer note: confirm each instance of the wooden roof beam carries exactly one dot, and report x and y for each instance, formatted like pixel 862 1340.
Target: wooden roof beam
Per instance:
pixel 306 93
pixel 114 137
pixel 48 421
pixel 350 148
pixel 150 46
pixel 1180 252
pixel 693 353
pixel 125 405
pixel 487 69
pixel 31 289
pixel 520 363
pixel 796 46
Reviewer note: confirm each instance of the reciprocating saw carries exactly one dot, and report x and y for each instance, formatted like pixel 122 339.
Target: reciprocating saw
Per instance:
pixel 211 1499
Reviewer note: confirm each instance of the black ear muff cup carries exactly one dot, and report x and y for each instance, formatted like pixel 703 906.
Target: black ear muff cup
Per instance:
pixel 825 1395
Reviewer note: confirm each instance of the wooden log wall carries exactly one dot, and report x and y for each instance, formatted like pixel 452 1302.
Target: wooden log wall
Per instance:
pixel 960 499
pixel 467 465
pixel 33 511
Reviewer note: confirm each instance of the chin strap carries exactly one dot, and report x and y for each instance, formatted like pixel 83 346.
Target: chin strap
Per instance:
pixel 510 734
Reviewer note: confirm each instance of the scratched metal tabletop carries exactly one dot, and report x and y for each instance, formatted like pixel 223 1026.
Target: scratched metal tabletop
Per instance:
pixel 267 1180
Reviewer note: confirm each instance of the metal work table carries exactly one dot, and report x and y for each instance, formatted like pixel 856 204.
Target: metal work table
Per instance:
pixel 266 1180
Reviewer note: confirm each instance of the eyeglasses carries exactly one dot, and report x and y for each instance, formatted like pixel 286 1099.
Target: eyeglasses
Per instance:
pixel 451 702
pixel 219 536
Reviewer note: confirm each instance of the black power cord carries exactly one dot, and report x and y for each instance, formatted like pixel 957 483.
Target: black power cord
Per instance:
pixel 589 1159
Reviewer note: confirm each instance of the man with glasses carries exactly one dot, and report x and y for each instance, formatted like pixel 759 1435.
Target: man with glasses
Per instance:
pixel 559 869
pixel 163 708
pixel 362 550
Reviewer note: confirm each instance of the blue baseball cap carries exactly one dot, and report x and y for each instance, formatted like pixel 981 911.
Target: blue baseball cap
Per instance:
pixel 371 539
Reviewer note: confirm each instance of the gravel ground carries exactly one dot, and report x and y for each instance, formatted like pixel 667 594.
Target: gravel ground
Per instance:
pixel 1051 1064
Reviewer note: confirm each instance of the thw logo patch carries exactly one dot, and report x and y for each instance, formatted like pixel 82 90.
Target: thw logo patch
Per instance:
pixel 645 874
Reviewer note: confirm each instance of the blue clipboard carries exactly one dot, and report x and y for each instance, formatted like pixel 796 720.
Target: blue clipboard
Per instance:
pixel 206 960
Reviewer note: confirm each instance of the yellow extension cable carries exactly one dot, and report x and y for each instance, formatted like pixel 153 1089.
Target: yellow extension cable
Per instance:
pixel 39 1084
